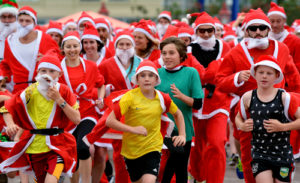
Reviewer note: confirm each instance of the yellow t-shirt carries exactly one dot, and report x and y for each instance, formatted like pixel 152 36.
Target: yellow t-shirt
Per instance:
pixel 39 109
pixel 141 111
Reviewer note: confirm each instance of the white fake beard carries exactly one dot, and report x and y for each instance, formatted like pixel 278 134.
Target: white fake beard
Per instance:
pixel 44 85
pixel 207 44
pixel 125 55
pixel 162 29
pixel 261 43
pixel 23 31
pixel 7 28
pixel 277 36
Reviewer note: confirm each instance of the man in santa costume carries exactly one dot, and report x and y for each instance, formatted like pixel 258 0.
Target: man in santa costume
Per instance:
pixel 211 120
pixel 24 48
pixel 104 30
pixel 234 77
pixel 42 111
pixel 164 20
pixel 8 25
pixel 277 17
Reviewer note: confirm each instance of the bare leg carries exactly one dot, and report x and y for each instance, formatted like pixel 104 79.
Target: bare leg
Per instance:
pixel 265 177
pixel 85 170
pixel 99 163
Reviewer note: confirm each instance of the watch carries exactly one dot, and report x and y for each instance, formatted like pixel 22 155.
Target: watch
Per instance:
pixel 63 105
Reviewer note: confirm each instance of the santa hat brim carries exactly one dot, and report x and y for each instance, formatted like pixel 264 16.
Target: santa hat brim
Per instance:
pixel 277 13
pixel 165 16
pixel 155 41
pixel 55 30
pixel 11 10
pixel 145 68
pixel 49 66
pixel 257 21
pixel 126 37
pixel 269 64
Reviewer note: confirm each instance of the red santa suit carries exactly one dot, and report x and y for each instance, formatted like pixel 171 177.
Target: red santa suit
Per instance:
pixel 109 46
pixel 17 107
pixel 210 126
pixel 154 55
pixel 89 78
pixel 23 71
pixel 239 59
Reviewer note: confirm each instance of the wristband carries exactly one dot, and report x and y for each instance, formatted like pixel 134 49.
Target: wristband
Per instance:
pixel 63 105
pixel 101 99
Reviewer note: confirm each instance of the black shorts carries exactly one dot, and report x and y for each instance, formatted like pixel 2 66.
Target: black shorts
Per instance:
pixel 146 164
pixel 281 172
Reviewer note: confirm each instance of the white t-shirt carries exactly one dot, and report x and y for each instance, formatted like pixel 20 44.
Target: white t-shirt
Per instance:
pixel 26 52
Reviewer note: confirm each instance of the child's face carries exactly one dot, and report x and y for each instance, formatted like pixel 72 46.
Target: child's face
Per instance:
pixel 147 80
pixel 51 72
pixel 265 76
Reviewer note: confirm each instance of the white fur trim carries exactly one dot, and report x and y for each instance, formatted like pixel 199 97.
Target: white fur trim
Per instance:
pixel 145 32
pixel 30 14
pixel 189 49
pixel 257 21
pixel 90 36
pixel 90 118
pixel 68 24
pixel 195 29
pixel 277 13
pixel 243 111
pixel 108 146
pixel 7 144
pixel 55 30
pixel 235 80
pixel 184 35
pixel 49 66
pixel 145 68
pixel 200 115
pixel 269 64
pixel 287 105
pixel 124 36
pixel 11 10
pixel 229 37
pixel 165 16
pixel 98 25
pixel 123 71
pixel 112 136
pixel 71 37
pixel 86 19
pixel 219 25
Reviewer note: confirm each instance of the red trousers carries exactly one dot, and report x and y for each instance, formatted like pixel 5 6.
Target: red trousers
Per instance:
pixel 208 156
pixel 122 175
pixel 245 144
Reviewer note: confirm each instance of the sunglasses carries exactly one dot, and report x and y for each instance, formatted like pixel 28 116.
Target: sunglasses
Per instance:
pixel 209 30
pixel 260 27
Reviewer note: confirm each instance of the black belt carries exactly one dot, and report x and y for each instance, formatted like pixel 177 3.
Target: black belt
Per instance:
pixel 211 88
pixel 47 131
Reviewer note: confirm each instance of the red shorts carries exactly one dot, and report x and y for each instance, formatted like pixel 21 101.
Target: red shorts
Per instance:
pixel 44 163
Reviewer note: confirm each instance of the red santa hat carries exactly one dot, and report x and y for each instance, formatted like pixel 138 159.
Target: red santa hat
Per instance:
pixel 146 65
pixel 72 35
pixel 256 16
pixel 50 62
pixel 9 6
pixel 203 18
pixel 147 28
pixel 276 10
pixel 55 27
pixel 124 34
pixel 68 23
pixel 218 23
pixel 29 11
pixel 171 31
pixel 229 33
pixel 185 32
pixel 90 32
pixel 270 61
pixel 174 22
pixel 101 22
pixel 165 14
pixel 85 17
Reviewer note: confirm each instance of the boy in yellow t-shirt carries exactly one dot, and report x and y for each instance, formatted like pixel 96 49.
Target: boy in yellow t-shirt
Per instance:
pixel 142 108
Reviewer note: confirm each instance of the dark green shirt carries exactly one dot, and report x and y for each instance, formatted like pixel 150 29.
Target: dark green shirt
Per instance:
pixel 187 80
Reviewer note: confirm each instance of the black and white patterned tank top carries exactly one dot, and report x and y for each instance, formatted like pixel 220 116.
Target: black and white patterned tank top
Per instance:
pixel 276 146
